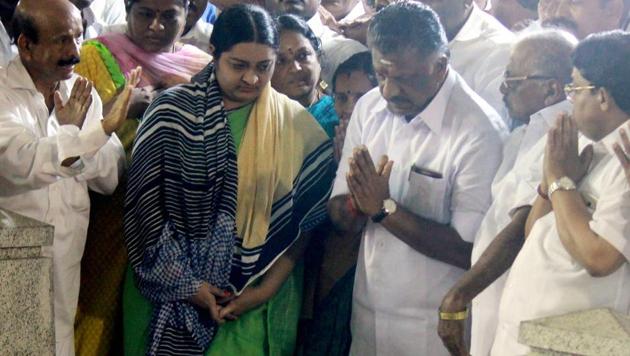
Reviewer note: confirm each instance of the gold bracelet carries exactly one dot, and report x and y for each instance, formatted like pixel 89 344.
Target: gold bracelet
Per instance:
pixel 461 315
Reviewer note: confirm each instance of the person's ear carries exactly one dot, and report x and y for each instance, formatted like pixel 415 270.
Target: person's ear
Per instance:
pixel 606 101
pixel 554 92
pixel 25 46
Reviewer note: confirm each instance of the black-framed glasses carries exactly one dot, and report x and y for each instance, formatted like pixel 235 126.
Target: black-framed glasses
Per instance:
pixel 511 82
pixel 571 89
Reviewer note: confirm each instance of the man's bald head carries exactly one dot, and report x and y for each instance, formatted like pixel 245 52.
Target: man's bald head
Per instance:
pixel 547 52
pixel 540 66
pixel 31 15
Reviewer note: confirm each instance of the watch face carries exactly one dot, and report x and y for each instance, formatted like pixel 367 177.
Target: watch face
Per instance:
pixel 389 205
pixel 566 183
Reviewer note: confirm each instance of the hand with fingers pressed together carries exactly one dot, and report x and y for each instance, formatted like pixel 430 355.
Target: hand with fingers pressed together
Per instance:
pixel 622 150
pixel 120 109
pixel 74 111
pixel 368 184
pixel 561 153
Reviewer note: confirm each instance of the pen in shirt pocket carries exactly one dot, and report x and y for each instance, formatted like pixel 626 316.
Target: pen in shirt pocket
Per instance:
pixel 425 172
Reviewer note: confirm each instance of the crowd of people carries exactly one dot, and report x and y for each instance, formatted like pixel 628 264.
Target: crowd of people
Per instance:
pixel 319 178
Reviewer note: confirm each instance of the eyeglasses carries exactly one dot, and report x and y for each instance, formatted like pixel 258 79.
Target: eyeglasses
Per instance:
pixel 570 89
pixel 513 82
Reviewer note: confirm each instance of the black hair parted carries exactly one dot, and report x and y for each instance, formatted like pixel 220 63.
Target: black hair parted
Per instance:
pixel 358 62
pixel 602 59
pixel 243 23
pixel 295 23
pixel 407 25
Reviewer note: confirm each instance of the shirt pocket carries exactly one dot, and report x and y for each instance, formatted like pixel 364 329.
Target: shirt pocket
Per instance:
pixel 426 197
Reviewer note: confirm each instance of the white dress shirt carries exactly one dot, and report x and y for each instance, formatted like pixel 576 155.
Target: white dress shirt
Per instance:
pixel 518 157
pixel 398 290
pixel 103 13
pixel 335 47
pixel 199 36
pixel 7 50
pixel 479 53
pixel 357 11
pixel 545 280
pixel 35 184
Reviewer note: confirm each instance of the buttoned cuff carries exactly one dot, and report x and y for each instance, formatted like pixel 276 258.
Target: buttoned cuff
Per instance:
pixel 72 142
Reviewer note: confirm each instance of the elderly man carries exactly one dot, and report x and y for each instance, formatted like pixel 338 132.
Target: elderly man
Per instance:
pixel 540 65
pixel 577 248
pixel 437 152
pixel 54 142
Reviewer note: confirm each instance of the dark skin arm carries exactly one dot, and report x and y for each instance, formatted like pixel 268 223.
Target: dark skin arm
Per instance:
pixel 370 189
pixel 495 261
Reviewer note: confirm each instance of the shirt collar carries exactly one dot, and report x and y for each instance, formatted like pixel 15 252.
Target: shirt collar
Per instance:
pixel 550 113
pixel 433 114
pixel 473 27
pixel 316 25
pixel 609 140
pixel 17 77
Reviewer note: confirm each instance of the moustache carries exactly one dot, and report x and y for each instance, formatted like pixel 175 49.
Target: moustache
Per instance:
pixel 69 62
pixel 562 23
pixel 398 100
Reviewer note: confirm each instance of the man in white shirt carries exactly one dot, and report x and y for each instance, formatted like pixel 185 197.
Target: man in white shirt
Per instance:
pixel 54 143
pixel 533 89
pixel 197 32
pixel 479 44
pixel 97 15
pixel 335 47
pixel 577 245
pixel 438 150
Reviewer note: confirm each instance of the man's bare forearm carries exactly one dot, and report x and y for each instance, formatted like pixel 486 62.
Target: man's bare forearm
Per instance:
pixel 540 208
pixel 434 240
pixel 344 219
pixel 496 260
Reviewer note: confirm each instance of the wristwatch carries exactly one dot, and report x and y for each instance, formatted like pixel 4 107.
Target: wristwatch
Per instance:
pixel 389 207
pixel 564 183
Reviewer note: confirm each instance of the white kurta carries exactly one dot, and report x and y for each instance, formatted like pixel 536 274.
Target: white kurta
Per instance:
pixel 545 280
pixel 398 290
pixel 479 53
pixel 33 182
pixel 524 148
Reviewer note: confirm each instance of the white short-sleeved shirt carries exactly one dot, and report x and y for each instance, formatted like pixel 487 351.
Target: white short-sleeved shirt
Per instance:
pixel 545 280
pixel 397 289
pixel 518 157
pixel 479 53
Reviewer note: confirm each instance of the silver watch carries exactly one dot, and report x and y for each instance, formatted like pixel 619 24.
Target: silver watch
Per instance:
pixel 564 183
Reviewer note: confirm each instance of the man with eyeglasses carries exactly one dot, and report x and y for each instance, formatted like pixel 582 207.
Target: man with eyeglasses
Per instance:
pixel 577 235
pixel 540 65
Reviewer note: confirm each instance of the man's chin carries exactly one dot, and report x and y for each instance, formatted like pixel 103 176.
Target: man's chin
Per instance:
pixel 401 110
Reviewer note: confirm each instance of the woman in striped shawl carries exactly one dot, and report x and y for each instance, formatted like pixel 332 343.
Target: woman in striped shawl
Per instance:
pixel 228 178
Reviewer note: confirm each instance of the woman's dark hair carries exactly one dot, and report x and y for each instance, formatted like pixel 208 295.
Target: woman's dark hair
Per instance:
pixel 243 23
pixel 602 59
pixel 130 3
pixel 358 62
pixel 297 24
